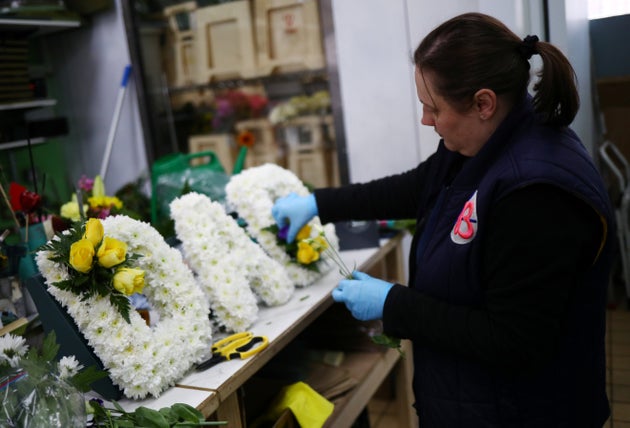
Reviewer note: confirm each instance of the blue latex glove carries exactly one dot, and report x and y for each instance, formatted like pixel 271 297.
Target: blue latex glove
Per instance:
pixel 363 295
pixel 295 211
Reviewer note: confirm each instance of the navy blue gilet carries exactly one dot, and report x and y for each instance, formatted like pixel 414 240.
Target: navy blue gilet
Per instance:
pixel 452 391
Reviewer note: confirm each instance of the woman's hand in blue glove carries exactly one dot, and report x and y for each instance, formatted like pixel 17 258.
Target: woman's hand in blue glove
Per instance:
pixel 363 295
pixel 295 211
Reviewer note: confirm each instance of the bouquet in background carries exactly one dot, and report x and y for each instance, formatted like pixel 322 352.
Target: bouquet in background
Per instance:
pixel 232 106
pixel 94 201
pixel 302 105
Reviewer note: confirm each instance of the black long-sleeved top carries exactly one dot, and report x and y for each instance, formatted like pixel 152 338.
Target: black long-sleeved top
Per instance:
pixel 528 272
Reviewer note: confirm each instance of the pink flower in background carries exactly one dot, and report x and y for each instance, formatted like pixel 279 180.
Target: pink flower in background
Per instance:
pixel 85 183
pixel 258 104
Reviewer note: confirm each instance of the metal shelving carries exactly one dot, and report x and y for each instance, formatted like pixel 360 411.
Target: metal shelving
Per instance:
pixel 33 28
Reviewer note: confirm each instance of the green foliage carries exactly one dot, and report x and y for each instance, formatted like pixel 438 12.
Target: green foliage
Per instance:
pixel 178 415
pixel 388 341
pixel 36 389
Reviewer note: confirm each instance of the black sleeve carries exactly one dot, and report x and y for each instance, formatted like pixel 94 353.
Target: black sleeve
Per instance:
pixel 542 242
pixel 401 196
pixel 393 197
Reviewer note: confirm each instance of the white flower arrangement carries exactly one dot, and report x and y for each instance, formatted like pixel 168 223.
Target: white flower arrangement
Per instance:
pixel 229 265
pixel 141 360
pixel 252 194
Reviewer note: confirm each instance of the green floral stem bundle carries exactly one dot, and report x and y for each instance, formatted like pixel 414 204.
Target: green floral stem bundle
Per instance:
pixel 178 415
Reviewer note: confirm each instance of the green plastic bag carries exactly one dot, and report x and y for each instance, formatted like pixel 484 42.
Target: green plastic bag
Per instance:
pixel 173 175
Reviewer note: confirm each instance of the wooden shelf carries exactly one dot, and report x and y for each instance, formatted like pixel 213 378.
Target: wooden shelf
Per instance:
pixel 17 327
pixel 22 105
pixel 21 143
pixel 306 76
pixel 39 26
pixel 371 369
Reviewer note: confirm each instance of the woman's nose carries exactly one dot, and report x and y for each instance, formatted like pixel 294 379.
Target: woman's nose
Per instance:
pixel 427 120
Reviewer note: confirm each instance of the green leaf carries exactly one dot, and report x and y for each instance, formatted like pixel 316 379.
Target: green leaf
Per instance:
pixel 121 303
pixel 149 418
pixel 388 341
pixel 50 346
pixel 84 379
pixel 118 407
pixel 169 415
pixel 186 413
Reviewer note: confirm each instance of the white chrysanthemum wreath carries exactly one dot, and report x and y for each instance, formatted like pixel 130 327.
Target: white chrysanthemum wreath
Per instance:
pixel 229 265
pixel 252 194
pixel 141 360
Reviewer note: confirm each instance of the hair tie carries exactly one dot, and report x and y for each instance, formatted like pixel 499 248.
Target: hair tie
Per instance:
pixel 527 48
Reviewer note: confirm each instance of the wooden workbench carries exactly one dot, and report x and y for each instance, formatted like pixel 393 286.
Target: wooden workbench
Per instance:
pixel 215 391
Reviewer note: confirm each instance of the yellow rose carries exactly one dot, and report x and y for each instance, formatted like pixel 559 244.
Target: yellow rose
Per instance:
pixel 82 255
pixel 306 254
pixel 304 233
pixel 111 252
pixel 319 243
pixel 129 280
pixel 94 231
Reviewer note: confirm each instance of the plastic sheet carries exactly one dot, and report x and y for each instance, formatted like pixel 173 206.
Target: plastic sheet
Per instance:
pixel 34 397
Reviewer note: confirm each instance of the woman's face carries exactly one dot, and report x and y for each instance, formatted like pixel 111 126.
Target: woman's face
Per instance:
pixel 463 132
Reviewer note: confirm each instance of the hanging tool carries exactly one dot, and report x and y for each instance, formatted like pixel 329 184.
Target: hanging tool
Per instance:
pixel 114 124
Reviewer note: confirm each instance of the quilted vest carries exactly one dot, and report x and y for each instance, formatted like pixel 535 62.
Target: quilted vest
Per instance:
pixel 452 391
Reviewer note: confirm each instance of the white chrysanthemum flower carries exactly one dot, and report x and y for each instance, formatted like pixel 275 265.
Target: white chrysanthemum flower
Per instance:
pixel 142 360
pixel 228 264
pixel 252 194
pixel 12 349
pixel 68 367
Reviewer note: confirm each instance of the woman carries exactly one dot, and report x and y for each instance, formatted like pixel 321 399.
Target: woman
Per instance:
pixel 510 262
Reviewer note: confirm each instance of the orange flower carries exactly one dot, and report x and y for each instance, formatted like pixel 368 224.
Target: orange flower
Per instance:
pixel 246 139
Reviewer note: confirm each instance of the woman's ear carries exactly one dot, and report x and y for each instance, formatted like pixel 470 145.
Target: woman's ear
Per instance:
pixel 485 103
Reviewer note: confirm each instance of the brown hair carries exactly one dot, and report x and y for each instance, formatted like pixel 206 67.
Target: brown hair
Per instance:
pixel 474 51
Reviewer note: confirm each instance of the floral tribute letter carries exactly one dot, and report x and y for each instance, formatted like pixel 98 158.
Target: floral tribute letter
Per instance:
pixel 93 268
pixel 252 194
pixel 228 263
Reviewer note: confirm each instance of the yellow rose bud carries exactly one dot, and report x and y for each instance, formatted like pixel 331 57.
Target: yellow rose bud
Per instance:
pixel 129 280
pixel 94 231
pixel 112 252
pixel 82 255
pixel 306 254
pixel 304 233
pixel 98 188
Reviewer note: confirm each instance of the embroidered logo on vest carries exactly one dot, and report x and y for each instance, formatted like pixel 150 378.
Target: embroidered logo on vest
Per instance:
pixel 465 227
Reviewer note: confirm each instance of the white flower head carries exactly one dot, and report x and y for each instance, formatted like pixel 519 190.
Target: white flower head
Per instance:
pixel 68 367
pixel 232 270
pixel 252 194
pixel 141 360
pixel 12 349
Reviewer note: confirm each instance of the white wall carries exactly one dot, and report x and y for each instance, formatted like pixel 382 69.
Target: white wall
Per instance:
pixel 376 78
pixel 569 32
pixel 88 64
pixel 375 44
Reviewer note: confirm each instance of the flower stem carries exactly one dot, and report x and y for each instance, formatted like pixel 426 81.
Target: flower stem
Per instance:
pixel 336 257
